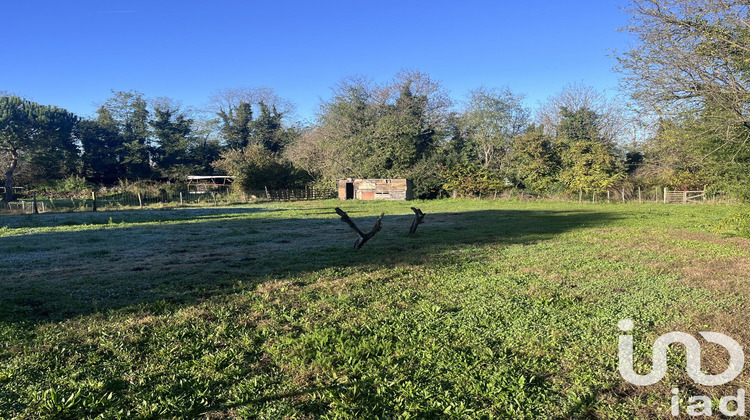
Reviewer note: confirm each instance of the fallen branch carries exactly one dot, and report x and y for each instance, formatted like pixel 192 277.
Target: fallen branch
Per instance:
pixel 363 237
pixel 418 219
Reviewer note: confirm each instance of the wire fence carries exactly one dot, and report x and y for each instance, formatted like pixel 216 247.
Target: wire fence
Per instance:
pixel 104 199
pixel 615 195
pixel 109 200
pixel 653 195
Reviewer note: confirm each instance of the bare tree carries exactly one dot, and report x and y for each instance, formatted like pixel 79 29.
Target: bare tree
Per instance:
pixel 613 117
pixel 317 155
pixel 228 99
pixel 691 57
pixel 438 101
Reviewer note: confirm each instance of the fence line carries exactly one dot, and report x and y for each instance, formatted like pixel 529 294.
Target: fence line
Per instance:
pixel 129 199
pixel 653 195
pixel 293 194
pixel 25 206
pixel 126 199
pixel 629 195
pixel 666 196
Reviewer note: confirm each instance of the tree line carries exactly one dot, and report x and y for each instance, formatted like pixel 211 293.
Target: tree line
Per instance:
pixel 134 138
pixel 685 125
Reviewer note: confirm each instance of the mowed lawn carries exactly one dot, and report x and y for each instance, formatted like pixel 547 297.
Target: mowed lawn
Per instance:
pixel 493 309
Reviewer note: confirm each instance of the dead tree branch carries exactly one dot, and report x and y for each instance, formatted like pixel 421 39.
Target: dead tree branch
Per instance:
pixel 363 237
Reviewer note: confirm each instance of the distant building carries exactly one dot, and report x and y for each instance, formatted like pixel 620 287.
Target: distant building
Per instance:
pixel 198 184
pixel 375 189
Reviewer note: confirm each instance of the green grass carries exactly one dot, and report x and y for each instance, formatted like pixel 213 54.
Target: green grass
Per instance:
pixel 491 310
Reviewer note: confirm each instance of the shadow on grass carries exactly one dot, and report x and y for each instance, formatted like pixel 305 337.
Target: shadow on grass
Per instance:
pixel 126 216
pixel 193 254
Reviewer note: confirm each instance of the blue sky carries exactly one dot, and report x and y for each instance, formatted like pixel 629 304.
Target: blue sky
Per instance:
pixel 73 53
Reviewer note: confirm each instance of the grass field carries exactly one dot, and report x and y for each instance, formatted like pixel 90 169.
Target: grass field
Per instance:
pixel 491 310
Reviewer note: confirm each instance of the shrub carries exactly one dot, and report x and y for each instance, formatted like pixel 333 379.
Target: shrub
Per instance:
pixel 72 186
pixel 736 225
pixel 256 168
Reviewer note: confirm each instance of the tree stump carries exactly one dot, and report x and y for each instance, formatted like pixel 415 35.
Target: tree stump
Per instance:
pixel 418 219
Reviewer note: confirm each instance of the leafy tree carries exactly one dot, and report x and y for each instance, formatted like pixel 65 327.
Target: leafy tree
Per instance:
pixel 369 131
pixel 237 125
pixel 203 153
pixel 589 166
pixel 456 143
pixel 534 162
pixel 237 108
pixel 129 140
pixel 401 135
pixel 267 129
pixel 685 153
pixel 127 113
pixel 670 160
pixel 347 123
pixel 206 147
pixel 172 131
pixel 725 156
pixel 102 146
pixel 589 161
pixel 53 153
pixel 470 180
pixel 239 129
pixel 37 135
pixel 255 168
pixel 428 176
pixel 634 159
pixel 579 125
pixel 492 118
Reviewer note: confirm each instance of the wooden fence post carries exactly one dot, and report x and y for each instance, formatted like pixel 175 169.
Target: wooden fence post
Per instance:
pixel 93 197
pixel 36 209
pixel 665 195
pixel 640 200
pixel 140 200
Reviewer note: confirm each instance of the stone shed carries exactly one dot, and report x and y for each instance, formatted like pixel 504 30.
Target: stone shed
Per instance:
pixel 375 189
